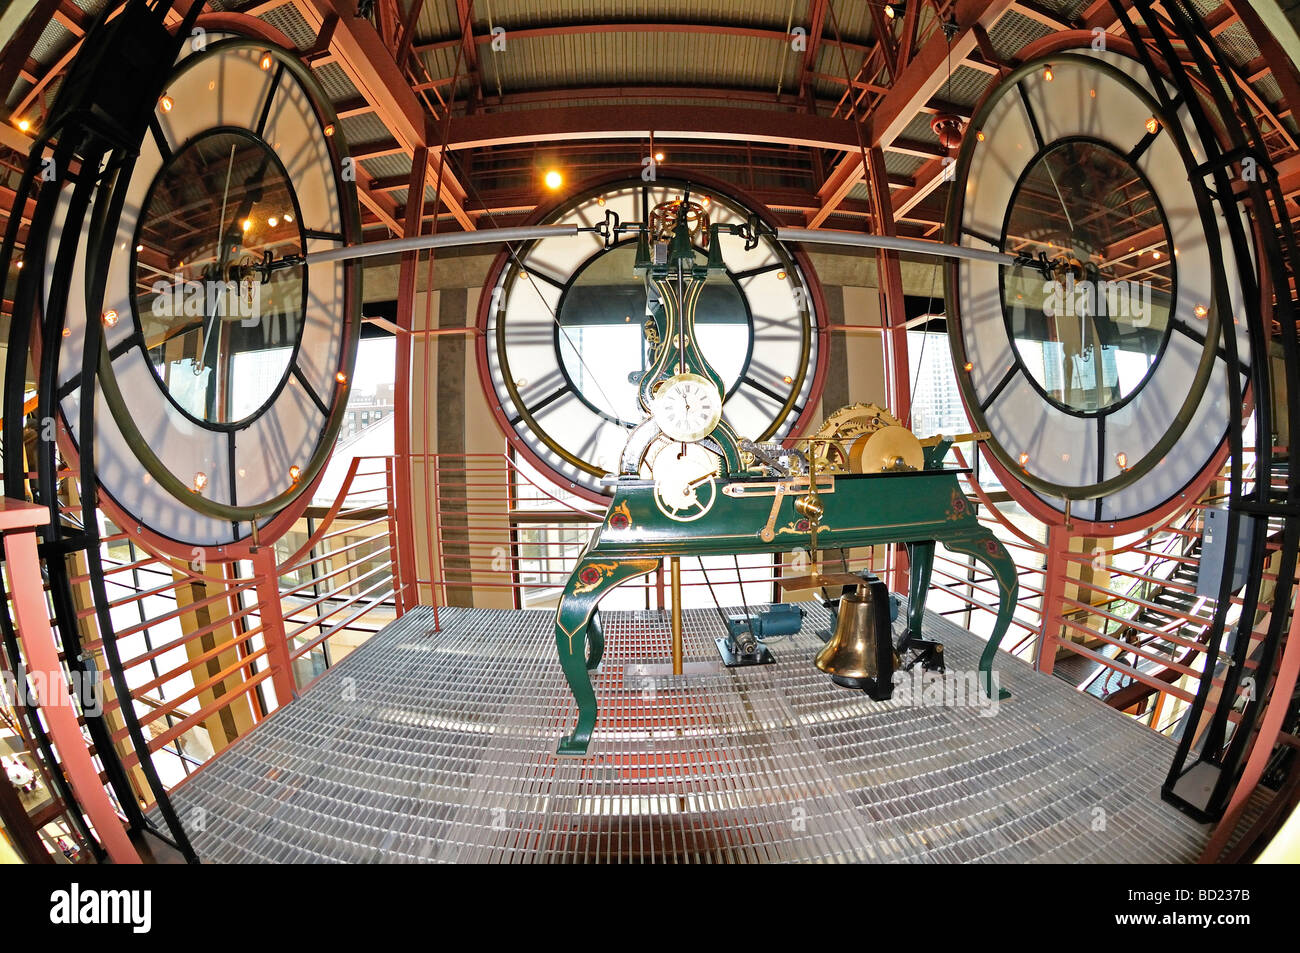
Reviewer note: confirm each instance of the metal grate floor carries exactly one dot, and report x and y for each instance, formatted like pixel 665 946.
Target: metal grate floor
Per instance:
pixel 424 746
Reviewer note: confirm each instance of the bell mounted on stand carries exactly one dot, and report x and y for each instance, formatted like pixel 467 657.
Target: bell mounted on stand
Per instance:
pixel 860 653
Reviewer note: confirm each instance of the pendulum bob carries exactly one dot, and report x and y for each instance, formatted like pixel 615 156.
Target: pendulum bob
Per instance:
pixel 811 507
pixel 860 654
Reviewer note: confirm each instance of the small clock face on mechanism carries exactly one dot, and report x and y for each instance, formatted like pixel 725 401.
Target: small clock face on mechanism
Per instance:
pixel 687 407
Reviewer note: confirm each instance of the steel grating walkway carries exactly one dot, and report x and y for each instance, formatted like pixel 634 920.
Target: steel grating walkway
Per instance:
pixel 424 746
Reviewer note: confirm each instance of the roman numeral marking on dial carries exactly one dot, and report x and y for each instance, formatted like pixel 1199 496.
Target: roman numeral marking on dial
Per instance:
pixel 535 272
pixel 987 402
pixel 311 391
pixel 160 139
pixel 265 113
pixel 760 270
pixel 1033 119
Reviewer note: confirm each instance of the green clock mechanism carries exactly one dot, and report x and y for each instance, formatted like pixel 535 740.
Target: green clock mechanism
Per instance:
pixel 688 485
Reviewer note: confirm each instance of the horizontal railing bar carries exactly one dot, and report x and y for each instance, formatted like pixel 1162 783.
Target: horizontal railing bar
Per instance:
pixel 341 626
pixel 289 637
pixel 159 741
pixel 360 561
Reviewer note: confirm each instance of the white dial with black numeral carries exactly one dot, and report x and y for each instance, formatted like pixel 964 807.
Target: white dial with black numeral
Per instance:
pixel 687 407
pixel 564 337
pixel 1102 381
pixel 235 381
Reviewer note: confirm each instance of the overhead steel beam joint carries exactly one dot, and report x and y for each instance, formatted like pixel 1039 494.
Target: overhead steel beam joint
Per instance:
pixel 363 55
pixel 741 124
pixel 917 82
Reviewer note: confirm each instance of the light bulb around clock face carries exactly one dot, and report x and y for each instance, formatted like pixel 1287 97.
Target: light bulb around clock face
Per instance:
pixel 687 407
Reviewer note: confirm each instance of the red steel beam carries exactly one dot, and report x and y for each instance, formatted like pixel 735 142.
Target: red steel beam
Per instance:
pixel 917 82
pixel 406 570
pixel 817 23
pixel 370 66
pixel 571 29
pixel 21 44
pixel 703 122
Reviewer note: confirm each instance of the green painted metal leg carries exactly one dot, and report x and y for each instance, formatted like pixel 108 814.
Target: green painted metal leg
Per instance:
pixel 579 640
pixel 595 642
pixel 920 557
pixel 987 549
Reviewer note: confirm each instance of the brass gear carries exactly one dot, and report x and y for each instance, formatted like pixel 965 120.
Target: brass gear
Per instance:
pixel 838 443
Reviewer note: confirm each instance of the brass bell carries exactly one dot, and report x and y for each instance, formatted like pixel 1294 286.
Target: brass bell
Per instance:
pixel 860 654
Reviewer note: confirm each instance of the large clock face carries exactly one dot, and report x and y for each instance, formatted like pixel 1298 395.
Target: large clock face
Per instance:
pixel 1099 382
pixel 228 381
pixel 565 335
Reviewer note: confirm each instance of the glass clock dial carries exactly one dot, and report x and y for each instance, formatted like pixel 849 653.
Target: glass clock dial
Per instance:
pixel 1100 383
pixel 234 382
pixel 687 407
pixel 565 338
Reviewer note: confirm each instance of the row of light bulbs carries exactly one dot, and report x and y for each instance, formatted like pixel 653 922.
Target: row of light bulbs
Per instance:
pixel 200 481
pixel 1121 460
pixel 166 103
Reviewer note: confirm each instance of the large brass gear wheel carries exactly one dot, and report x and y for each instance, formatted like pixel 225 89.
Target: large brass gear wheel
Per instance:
pixel 838 444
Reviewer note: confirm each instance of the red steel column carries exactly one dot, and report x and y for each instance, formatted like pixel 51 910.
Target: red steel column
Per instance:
pixel 893 319
pixel 1058 543
pixel 267 588
pixel 407 585
pixel 32 615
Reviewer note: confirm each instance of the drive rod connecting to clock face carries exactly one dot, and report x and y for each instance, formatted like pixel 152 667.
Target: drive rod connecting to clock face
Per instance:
pixel 396 246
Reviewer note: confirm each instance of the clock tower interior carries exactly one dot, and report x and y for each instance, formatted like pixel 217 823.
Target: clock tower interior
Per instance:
pixel 808 430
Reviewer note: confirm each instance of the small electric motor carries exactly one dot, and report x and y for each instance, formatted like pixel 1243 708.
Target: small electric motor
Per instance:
pixel 743 643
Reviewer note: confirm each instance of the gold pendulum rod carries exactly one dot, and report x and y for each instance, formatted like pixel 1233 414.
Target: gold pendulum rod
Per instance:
pixel 675 570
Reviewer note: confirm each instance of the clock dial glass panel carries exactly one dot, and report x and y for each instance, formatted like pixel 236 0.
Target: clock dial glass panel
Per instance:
pixel 1089 335
pixel 1106 185
pixel 601 334
pixel 220 341
pixel 240 439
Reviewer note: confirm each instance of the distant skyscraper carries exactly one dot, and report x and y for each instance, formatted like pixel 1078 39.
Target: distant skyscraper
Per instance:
pixel 936 402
